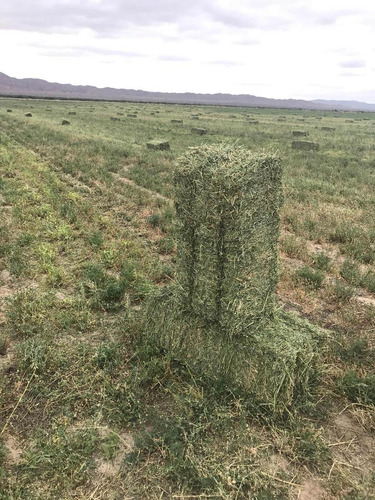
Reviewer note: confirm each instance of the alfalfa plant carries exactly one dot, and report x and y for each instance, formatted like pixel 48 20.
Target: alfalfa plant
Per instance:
pixel 311 278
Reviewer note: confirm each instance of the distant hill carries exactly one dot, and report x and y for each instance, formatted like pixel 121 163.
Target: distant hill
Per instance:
pixel 33 87
pixel 352 105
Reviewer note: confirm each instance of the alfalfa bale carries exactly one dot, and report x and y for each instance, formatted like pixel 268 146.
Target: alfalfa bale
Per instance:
pixel 328 129
pixel 199 131
pixel 9 110
pixel 305 145
pixel 72 113
pixel 300 133
pixel 115 119
pixel 158 144
pixel 131 115
pixel 65 122
pixel 177 121
pixel 219 318
pixel 253 122
pixel 29 115
pixel 228 202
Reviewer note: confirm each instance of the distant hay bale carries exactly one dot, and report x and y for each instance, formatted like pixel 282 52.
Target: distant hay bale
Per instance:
pixel 48 109
pixel 29 115
pixel 152 113
pixel 65 122
pixel 115 119
pixel 300 133
pixel 176 121
pixel 194 117
pixel 120 114
pixel 253 122
pixel 131 115
pixel 305 145
pixel 349 121
pixel 72 113
pixel 9 110
pixel 328 129
pixel 300 119
pixel 158 144
pixel 199 131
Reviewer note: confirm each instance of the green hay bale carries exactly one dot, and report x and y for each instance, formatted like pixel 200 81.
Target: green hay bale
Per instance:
pixel 228 203
pixel 72 113
pixel 131 115
pixel 300 133
pixel 199 131
pixel 176 121
pixel 305 145
pixel 65 122
pixel 328 129
pixel 29 115
pixel 275 366
pixel 9 111
pixel 158 144
pixel 120 114
pixel 115 119
pixel 253 122
pixel 219 318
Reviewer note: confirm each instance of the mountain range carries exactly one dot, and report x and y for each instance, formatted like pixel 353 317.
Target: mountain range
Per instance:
pixel 33 87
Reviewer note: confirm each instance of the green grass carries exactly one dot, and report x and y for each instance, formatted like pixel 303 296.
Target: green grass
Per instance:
pixel 82 246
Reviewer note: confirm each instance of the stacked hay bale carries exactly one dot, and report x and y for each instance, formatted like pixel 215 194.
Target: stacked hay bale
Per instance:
pixel 220 317
pixel 228 204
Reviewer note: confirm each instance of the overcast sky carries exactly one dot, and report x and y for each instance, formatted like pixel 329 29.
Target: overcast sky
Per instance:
pixel 271 48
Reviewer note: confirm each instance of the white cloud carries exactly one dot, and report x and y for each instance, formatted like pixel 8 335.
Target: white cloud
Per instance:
pixel 273 48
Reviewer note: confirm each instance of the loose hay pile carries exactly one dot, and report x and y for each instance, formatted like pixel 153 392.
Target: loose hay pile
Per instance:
pixel 220 317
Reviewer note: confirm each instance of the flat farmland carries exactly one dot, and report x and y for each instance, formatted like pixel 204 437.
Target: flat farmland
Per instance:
pixel 88 408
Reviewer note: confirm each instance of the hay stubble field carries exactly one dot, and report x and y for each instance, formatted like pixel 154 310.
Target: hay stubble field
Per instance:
pixel 89 408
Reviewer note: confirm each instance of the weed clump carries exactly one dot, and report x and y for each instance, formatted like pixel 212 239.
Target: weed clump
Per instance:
pixel 358 389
